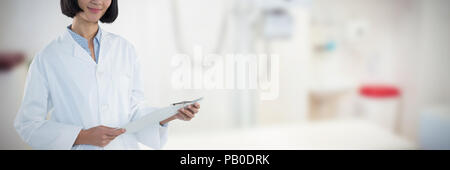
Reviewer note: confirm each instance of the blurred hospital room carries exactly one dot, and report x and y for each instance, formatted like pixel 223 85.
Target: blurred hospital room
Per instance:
pixel 274 74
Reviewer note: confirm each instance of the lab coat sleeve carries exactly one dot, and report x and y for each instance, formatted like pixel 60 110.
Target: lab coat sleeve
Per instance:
pixel 154 136
pixel 31 123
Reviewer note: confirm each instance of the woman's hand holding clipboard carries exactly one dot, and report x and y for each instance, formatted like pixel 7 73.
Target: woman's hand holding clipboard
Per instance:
pixel 184 110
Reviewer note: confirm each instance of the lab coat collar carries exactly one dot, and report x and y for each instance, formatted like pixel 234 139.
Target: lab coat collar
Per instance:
pixel 79 52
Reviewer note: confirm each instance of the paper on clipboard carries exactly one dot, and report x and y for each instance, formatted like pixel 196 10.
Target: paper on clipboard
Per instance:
pixel 157 116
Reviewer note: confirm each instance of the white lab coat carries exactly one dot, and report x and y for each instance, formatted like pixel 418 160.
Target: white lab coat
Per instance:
pixel 64 81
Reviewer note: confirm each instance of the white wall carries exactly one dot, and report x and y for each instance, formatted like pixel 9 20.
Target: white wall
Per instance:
pixel 433 78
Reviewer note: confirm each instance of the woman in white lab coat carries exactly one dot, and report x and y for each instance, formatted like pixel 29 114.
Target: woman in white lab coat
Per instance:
pixel 86 83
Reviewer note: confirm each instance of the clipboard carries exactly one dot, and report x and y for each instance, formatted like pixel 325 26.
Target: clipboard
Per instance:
pixel 157 116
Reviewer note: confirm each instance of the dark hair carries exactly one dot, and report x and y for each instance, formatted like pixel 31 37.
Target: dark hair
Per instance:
pixel 70 8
